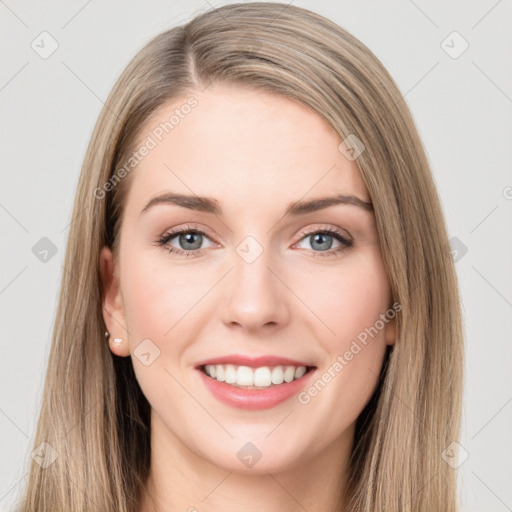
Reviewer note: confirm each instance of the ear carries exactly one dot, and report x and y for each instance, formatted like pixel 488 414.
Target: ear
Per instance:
pixel 112 304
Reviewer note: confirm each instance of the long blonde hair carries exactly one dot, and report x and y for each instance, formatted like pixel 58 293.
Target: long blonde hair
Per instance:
pixel 94 417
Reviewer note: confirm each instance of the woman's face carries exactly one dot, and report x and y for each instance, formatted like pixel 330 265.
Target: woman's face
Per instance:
pixel 247 278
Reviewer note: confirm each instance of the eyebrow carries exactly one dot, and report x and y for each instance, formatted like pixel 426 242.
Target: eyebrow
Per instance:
pixel 210 205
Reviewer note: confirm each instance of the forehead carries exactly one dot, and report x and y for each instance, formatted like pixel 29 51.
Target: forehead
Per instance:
pixel 240 144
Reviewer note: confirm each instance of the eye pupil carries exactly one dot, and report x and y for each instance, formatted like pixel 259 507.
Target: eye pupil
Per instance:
pixel 318 237
pixel 187 238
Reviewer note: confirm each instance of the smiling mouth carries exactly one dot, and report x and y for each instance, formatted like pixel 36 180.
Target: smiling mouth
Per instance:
pixel 264 377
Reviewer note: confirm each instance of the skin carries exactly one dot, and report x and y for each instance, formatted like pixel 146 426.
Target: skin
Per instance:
pixel 255 153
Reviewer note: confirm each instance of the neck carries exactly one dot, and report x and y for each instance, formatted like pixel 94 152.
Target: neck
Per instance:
pixel 182 480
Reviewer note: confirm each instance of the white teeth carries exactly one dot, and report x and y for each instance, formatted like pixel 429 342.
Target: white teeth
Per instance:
pixel 289 373
pixel 230 374
pixel 300 371
pixel 245 376
pixel 277 375
pixel 211 370
pixel 262 377
pixel 219 369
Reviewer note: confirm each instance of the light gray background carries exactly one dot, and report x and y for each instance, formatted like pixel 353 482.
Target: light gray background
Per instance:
pixel 462 108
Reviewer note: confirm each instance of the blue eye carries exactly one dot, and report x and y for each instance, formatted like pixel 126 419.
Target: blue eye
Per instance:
pixel 191 239
pixel 322 239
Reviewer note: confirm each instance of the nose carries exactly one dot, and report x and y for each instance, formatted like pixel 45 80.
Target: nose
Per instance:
pixel 256 297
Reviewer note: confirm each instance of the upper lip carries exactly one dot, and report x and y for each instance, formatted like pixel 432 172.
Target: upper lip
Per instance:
pixel 253 362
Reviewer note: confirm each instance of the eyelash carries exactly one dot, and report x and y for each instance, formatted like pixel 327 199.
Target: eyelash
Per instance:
pixel 167 237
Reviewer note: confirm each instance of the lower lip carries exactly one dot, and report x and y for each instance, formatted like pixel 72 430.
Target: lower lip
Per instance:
pixel 255 399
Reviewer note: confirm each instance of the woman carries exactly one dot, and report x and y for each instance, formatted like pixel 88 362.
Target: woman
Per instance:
pixel 209 351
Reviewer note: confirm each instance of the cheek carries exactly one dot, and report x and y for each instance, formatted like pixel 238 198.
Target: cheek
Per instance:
pixel 350 308
pixel 164 302
pixel 158 304
pixel 350 300
pixel 156 298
